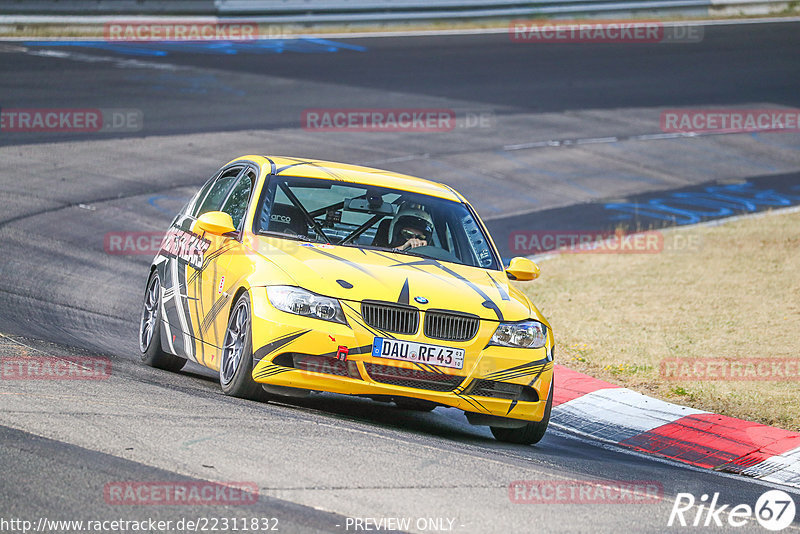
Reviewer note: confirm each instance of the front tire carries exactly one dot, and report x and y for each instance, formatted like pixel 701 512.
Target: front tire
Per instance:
pixel 236 364
pixel 150 330
pixel 529 434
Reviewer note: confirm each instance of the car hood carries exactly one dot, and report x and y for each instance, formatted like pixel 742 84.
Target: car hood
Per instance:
pixel 356 274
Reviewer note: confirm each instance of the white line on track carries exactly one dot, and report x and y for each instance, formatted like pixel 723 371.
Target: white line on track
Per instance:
pixel 579 141
pixel 504 29
pixel 66 20
pixel 614 139
pixel 117 62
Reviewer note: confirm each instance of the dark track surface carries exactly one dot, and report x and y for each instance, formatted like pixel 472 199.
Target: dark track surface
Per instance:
pixel 50 479
pixel 733 64
pixel 61 193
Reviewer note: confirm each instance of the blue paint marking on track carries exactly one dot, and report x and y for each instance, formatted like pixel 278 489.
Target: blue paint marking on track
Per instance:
pixel 255 46
pixel 654 210
pixel 175 203
pixel 711 202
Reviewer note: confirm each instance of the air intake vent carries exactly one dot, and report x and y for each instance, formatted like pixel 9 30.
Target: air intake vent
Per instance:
pixel 503 390
pixel 411 378
pixel 390 317
pixel 450 326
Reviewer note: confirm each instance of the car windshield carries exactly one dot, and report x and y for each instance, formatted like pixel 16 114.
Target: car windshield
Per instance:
pixel 361 215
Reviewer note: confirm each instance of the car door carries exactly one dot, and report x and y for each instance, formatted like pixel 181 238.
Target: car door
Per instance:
pixel 188 253
pixel 214 286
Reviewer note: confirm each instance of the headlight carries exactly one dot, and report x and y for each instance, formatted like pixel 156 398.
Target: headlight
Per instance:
pixel 302 302
pixel 524 335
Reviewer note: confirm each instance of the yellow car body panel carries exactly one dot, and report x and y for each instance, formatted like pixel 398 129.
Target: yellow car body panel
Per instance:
pixel 251 262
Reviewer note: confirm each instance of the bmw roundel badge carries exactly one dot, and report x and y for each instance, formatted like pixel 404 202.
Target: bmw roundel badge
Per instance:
pixel 421 300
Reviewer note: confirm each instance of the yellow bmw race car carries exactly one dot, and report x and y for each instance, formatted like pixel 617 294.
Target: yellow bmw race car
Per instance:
pixel 291 276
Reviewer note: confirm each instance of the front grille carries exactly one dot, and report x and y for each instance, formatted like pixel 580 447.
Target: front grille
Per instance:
pixel 503 390
pixel 450 326
pixel 411 378
pixel 390 317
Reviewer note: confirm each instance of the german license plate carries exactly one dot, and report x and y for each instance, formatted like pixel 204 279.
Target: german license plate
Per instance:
pixel 411 351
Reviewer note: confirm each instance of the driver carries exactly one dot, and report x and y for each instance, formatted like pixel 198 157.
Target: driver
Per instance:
pixel 411 227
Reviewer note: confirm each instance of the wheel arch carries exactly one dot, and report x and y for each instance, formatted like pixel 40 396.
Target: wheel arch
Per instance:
pixel 235 299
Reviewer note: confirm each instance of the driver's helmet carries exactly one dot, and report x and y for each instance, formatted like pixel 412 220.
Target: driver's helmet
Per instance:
pixel 414 217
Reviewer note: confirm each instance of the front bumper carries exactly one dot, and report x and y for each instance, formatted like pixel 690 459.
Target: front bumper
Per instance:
pixel 299 352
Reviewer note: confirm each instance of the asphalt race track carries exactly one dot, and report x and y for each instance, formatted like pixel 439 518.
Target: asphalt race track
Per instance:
pixel 547 136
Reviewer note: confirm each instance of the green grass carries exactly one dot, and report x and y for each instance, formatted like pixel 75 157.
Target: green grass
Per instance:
pixel 737 296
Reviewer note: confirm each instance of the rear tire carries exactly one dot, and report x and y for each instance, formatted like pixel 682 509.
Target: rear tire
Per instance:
pixel 150 330
pixel 236 364
pixel 529 434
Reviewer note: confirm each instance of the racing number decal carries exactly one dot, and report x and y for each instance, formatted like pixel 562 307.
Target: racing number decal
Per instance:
pixel 182 249
pixel 186 247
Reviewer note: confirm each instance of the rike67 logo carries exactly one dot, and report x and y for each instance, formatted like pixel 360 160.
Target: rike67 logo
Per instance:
pixel 774 510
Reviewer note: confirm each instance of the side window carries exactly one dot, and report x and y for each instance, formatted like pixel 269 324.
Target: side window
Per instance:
pixel 236 204
pixel 216 194
pixel 191 206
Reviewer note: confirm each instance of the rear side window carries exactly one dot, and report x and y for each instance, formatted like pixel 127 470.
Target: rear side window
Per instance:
pixel 236 204
pixel 218 192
